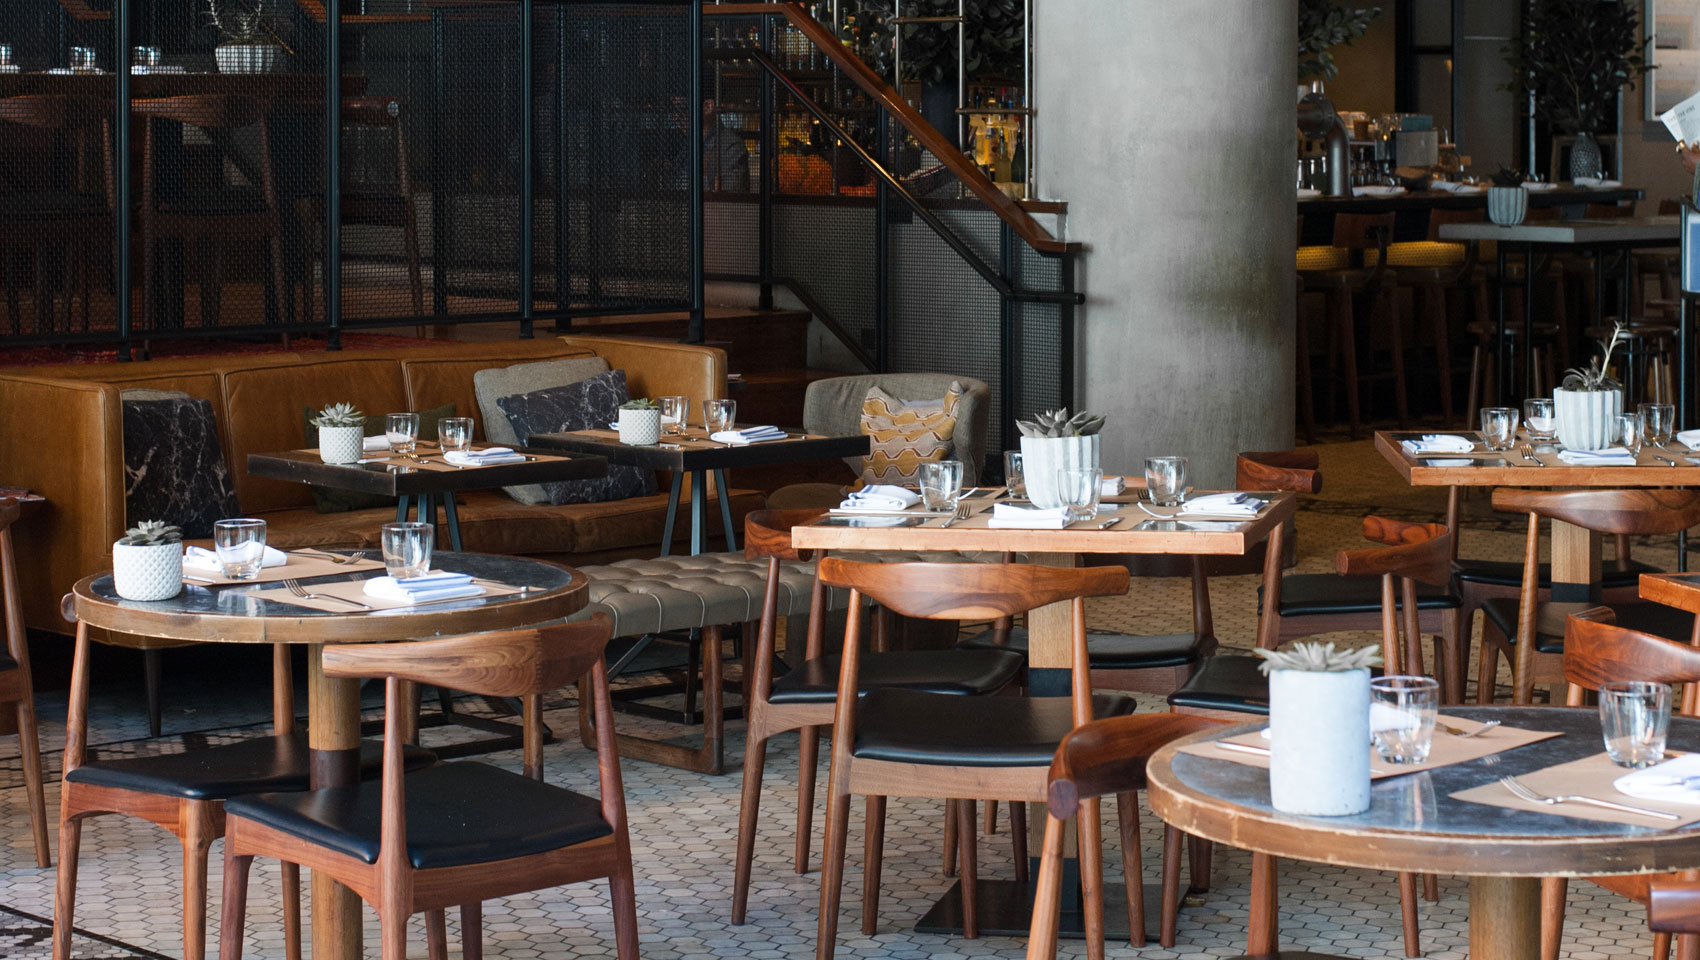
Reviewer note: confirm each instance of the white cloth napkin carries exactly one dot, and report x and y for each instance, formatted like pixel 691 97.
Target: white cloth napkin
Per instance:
pixel 1112 486
pixel 1545 187
pixel 1008 516
pixel 1438 443
pixel 1463 189
pixel 439 585
pixel 1674 781
pixel 1689 439
pixel 377 444
pixel 200 558
pixel 1222 505
pixel 1609 457
pixel 1596 183
pixel 1306 193
pixel 748 435
pixel 483 458
pixel 1377 190
pixel 881 498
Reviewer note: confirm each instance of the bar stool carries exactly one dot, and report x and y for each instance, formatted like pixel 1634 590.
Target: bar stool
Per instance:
pixel 1341 272
pixel 1430 270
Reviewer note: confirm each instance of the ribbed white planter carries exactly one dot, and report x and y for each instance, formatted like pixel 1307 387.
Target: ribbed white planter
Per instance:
pixel 640 428
pixel 1043 457
pixel 340 444
pixel 1319 742
pixel 1507 205
pixel 248 57
pixel 1584 417
pixel 147 572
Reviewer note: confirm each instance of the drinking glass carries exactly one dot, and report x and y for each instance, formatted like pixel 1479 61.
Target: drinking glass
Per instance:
pixel 454 433
pixel 675 411
pixel 1658 422
pixel 82 58
pixel 407 548
pixel 1626 432
pixel 5 54
pixel 145 56
pixel 1540 419
pixel 1013 478
pixel 941 484
pixel 1634 718
pixel 241 546
pixel 1165 480
pixel 1402 711
pixel 402 431
pixel 1499 427
pixel 1079 489
pixel 718 415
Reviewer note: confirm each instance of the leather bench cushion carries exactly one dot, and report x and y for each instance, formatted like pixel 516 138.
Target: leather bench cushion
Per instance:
pixel 953 672
pixel 1509 573
pixel 1225 683
pixel 681 592
pixel 457 813
pixel 1654 618
pixel 229 770
pixel 1111 651
pixel 1327 593
pixel 913 726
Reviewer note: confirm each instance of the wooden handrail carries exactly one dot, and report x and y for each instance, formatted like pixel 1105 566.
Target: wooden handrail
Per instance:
pixel 1007 209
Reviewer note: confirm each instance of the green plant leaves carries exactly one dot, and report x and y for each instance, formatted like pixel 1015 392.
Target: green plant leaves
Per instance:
pixel 1324 24
pixel 1574 56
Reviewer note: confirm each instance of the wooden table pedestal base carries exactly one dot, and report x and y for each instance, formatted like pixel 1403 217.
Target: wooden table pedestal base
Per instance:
pixel 1505 918
pixel 1005 909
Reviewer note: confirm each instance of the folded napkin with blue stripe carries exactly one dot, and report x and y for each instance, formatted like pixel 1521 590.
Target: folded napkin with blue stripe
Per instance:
pixel 1609 457
pixel 489 456
pixel 437 585
pixel 880 498
pixel 377 444
pixel 1430 443
pixel 748 435
pixel 200 558
pixel 1689 439
pixel 1674 781
pixel 1230 504
pixel 1008 516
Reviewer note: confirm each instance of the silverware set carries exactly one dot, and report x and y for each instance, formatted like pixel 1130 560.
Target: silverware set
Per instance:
pixel 294 587
pixel 1522 791
pixel 1529 455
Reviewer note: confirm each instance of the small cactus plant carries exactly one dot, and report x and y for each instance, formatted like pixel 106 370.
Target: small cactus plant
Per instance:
pixel 1318 658
pixel 1596 375
pixel 1057 423
pixel 151 533
pixel 339 415
pixel 641 403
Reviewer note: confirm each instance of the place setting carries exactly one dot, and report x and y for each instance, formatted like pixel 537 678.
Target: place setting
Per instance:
pixel 408 581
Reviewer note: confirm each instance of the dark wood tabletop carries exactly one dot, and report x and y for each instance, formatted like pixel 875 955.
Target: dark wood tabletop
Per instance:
pixel 427 474
pixel 695 451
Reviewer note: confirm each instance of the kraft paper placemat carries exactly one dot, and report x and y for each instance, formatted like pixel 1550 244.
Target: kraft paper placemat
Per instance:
pixel 1446 751
pixel 356 590
pixel 698 438
pixel 1588 777
pixel 435 461
pixel 299 566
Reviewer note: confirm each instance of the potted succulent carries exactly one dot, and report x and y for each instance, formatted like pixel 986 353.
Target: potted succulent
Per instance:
pixel 1055 441
pixel 341 430
pixel 1319 728
pixel 1589 398
pixel 1507 201
pixel 1571 60
pixel 250 35
pixel 147 562
pixel 640 423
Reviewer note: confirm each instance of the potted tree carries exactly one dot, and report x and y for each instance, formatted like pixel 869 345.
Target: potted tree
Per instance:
pixel 250 35
pixel 1324 24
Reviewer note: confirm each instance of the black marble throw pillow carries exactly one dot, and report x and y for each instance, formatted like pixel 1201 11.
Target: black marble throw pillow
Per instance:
pixel 584 405
pixel 174 468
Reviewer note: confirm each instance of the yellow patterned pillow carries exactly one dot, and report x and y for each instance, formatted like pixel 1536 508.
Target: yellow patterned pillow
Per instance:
pixel 905 434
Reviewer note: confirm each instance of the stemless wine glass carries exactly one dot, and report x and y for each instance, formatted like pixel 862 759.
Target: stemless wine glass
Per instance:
pixel 675 411
pixel 1499 427
pixel 1079 489
pixel 455 433
pixel 82 59
pixel 1013 478
pixel 1626 432
pixel 241 546
pixel 407 548
pixel 941 484
pixel 1540 419
pixel 402 431
pixel 1658 422
pixel 1634 718
pixel 1165 480
pixel 718 415
pixel 1402 711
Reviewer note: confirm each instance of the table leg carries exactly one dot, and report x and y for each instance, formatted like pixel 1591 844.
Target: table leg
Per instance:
pixel 453 521
pixel 333 736
pixel 401 508
pixel 1505 918
pixel 699 508
pixel 1575 564
pixel 725 510
pixel 672 512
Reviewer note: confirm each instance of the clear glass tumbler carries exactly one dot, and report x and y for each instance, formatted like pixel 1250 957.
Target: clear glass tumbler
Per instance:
pixel 407 548
pixel 1626 432
pixel 1540 419
pixel 718 415
pixel 1079 489
pixel 675 412
pixel 1165 480
pixel 455 433
pixel 1634 719
pixel 1013 478
pixel 1658 422
pixel 241 546
pixel 402 431
pixel 1499 427
pixel 941 484
pixel 1401 717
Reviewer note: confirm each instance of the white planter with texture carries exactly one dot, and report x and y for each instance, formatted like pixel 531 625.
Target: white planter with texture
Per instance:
pixel 1319 742
pixel 1585 417
pixel 640 427
pixel 1507 206
pixel 341 444
pixel 1043 457
pixel 147 571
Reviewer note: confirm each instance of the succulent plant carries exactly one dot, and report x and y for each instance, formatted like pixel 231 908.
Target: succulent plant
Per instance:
pixel 151 533
pixel 641 403
pixel 1057 423
pixel 1509 177
pixel 1596 375
pixel 1318 658
pixel 339 415
pixel 245 22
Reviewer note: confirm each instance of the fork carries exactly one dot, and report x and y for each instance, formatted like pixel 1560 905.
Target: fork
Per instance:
pixel 1465 735
pixel 1529 454
pixel 294 586
pixel 1522 791
pixel 961 513
pixel 354 557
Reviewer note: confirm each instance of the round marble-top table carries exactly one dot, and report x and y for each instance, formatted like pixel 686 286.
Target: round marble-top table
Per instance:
pixel 232 614
pixel 1413 824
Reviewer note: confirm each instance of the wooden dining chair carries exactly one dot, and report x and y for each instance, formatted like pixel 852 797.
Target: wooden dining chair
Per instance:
pixel 1108 757
pixel 455 834
pixel 1529 633
pixel 1598 651
pixel 917 743
pixel 805 698
pixel 16 687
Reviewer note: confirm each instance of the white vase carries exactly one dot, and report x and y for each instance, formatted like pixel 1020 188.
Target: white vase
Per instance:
pixel 640 428
pixel 1043 457
pixel 1319 742
pixel 248 57
pixel 1507 206
pixel 341 444
pixel 1584 417
pixel 147 571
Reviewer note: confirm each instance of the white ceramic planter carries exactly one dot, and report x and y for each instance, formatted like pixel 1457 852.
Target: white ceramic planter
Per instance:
pixel 1043 457
pixel 147 572
pixel 1584 417
pixel 1319 742
pixel 340 444
pixel 248 57
pixel 1507 205
pixel 640 428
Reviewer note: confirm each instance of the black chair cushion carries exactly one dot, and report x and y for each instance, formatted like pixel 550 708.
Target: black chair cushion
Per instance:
pixel 957 672
pixel 1226 682
pixel 914 726
pixel 1653 618
pixel 1111 651
pixel 214 773
pixel 457 814
pixel 1509 573
pixel 1308 594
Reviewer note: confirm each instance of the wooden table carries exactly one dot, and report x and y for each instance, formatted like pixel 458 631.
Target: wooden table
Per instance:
pixel 424 478
pixel 1413 824
pixel 232 615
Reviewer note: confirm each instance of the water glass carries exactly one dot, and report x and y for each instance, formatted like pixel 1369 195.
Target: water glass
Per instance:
pixel 1013 478
pixel 454 433
pixel 1402 711
pixel 5 54
pixel 1499 427
pixel 402 431
pixel 241 546
pixel 675 411
pixel 941 484
pixel 1540 419
pixel 407 548
pixel 1079 489
pixel 1634 718
pixel 1658 422
pixel 145 56
pixel 1165 480
pixel 1626 432
pixel 82 58
pixel 718 415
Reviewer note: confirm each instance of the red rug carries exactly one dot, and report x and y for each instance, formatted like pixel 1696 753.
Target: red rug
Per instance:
pixel 163 349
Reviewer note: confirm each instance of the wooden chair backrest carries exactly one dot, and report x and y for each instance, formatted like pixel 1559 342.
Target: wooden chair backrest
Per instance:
pixel 970 591
pixel 1414 551
pixel 514 663
pixel 214 111
pixel 1438 218
pixel 1108 756
pixel 1628 512
pixel 1598 651
pixel 767 533
pixel 1362 231
pixel 1277 470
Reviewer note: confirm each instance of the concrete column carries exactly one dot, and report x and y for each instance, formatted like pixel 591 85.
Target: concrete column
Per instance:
pixel 1169 130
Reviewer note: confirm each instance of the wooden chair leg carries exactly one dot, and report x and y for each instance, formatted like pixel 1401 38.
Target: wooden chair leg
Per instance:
pixel 832 872
pixel 968 868
pixel 991 817
pixel 1263 927
pixel 749 808
pixel 1487 668
pixel 197 838
pixel 873 834
pixel 1133 866
pixel 150 682
pixel 1408 914
pixel 1553 891
pixel 1198 865
pixel 436 935
pixel 233 914
pixel 1431 888
pixel 950 838
pixel 1661 946
pixel 29 750
pixel 1089 825
pixel 65 888
pixel 1018 839
pixel 392 933
pixel 1047 900
pixel 291 909
pixel 1172 838
pixel 472 931
pixel 808 756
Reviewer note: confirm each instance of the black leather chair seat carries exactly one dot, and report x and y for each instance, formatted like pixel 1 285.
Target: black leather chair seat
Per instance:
pixel 1111 651
pixel 957 672
pixel 1654 618
pixel 1225 683
pixel 1305 594
pixel 913 726
pixel 457 814
pixel 251 766
pixel 1509 573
